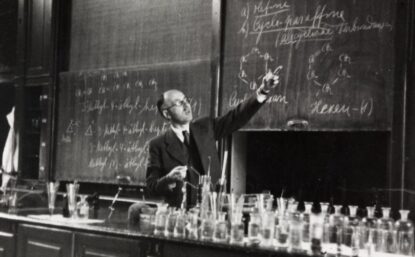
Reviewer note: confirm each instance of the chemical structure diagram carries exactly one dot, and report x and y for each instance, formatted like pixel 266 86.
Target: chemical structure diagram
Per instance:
pixel 263 61
pixel 326 87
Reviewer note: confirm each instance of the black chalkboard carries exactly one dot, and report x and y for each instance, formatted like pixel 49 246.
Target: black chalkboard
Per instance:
pixel 335 59
pixel 107 117
pixel 108 33
pixel 8 28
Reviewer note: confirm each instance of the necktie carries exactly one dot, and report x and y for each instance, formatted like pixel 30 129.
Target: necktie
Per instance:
pixel 186 137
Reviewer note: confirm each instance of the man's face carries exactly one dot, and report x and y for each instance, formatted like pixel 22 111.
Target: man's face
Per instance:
pixel 177 108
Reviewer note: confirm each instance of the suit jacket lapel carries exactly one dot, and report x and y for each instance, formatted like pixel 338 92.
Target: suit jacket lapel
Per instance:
pixel 173 147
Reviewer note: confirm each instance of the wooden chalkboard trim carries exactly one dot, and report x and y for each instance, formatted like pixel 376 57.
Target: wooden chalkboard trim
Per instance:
pixel 144 67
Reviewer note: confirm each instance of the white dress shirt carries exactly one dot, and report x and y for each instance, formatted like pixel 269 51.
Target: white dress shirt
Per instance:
pixel 179 132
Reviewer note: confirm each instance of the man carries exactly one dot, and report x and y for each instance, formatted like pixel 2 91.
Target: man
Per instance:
pixel 188 148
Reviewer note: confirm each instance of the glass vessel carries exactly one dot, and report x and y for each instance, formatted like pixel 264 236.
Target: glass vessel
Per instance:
pixel 386 235
pixel 405 233
pixel 316 233
pixel 220 233
pixel 192 225
pixel 282 230
pixel 170 222
pixel 52 189
pixel 325 241
pixel 295 232
pixel 351 232
pixel 267 230
pixel 305 217
pixel 254 229
pixel 160 220
pixel 336 223
pixel 237 229
pixel 180 225
pixel 368 228
pixel 207 227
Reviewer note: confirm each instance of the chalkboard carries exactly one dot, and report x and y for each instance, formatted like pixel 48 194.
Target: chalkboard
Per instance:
pixel 335 59
pixel 107 117
pixel 108 33
pixel 8 28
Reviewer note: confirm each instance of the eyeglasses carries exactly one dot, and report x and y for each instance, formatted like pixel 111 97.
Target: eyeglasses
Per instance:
pixel 180 103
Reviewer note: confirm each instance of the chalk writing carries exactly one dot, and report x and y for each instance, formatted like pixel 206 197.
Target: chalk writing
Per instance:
pixel 253 77
pixel 326 87
pixel 107 118
pixel 236 99
pixel 320 107
pixel 322 24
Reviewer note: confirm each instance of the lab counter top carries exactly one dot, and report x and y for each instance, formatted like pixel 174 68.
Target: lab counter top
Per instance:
pixel 121 228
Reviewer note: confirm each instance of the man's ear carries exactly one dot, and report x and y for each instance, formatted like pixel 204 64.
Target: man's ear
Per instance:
pixel 166 114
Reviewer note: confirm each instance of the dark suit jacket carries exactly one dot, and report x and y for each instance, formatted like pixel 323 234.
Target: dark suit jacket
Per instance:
pixel 165 150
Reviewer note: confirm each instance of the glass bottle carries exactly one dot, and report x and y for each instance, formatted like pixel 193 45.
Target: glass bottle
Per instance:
pixel 160 220
pixel 192 225
pixel 180 225
pixel 237 229
pixel 207 226
pixel 295 232
pixel 386 238
pixel 170 222
pixel 351 231
pixel 368 228
pixel 220 233
pixel 254 228
pixel 305 217
pixel 405 233
pixel 267 229
pixel 336 222
pixel 282 230
pixel 316 233
pixel 325 241
pixel 83 208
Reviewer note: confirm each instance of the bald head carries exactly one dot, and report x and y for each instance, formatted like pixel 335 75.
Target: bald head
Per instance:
pixel 174 106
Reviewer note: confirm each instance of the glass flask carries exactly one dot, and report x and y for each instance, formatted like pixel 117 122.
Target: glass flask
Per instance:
pixel 207 227
pixel 180 225
pixel 192 226
pixel 237 229
pixel 386 235
pixel 220 233
pixel 254 229
pixel 160 220
pixel 370 243
pixel 351 232
pixel 368 228
pixel 267 229
pixel 282 230
pixel 405 234
pixel 335 228
pixel 305 217
pixel 170 222
pixel 295 232
pixel 316 233
pixel 325 241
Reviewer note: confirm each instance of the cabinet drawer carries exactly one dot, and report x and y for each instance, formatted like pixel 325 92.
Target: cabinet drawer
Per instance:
pixel 90 245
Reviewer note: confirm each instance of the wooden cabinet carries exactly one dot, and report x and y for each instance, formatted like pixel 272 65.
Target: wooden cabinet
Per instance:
pixel 38 241
pixel 39 37
pixel 7 239
pixel 6 244
pixel 91 245
pixel 189 250
pixel 35 79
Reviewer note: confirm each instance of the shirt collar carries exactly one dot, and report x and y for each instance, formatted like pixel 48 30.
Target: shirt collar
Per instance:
pixel 179 131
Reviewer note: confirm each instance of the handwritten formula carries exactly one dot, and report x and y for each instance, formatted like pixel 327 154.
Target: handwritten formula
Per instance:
pixel 336 58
